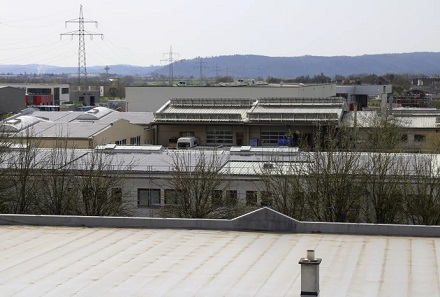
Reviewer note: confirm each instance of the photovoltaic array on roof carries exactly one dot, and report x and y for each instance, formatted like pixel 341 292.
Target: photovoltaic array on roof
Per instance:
pixel 200 117
pixel 288 101
pixel 211 102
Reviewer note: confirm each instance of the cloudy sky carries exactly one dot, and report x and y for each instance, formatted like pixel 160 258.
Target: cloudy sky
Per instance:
pixel 140 32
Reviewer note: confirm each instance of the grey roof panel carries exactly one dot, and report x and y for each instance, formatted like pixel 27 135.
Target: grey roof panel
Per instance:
pixel 65 261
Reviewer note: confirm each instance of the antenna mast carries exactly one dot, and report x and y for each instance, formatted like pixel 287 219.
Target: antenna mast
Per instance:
pixel 82 68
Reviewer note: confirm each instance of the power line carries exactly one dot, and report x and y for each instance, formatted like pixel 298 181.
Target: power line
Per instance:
pixel 82 68
pixel 170 61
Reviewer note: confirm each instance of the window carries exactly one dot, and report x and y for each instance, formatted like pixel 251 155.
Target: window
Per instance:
pixel 270 138
pixel 231 197
pixel 186 134
pixel 64 90
pixel 148 197
pixel 217 198
pixel 116 194
pixel 121 142
pixel 135 140
pixel 251 198
pixel 419 138
pixel 219 136
pixel 39 91
pixel 171 197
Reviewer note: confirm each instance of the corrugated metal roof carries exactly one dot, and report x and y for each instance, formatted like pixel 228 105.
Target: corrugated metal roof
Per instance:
pixel 262 168
pixel 368 119
pixel 137 118
pixel 58 116
pixel 71 129
pixel 54 261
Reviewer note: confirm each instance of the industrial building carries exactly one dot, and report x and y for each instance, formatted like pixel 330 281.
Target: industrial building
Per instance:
pixel 256 122
pixel 79 129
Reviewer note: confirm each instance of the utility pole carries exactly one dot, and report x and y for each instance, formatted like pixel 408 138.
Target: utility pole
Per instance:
pixel 170 61
pixel 82 68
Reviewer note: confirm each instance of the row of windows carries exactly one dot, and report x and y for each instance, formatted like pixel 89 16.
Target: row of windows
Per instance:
pixel 271 137
pixel 417 138
pixel 152 198
pixel 121 142
pixel 219 136
pixel 133 141
pixel 224 136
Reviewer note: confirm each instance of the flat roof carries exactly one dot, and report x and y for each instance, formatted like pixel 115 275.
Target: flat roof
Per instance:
pixel 66 261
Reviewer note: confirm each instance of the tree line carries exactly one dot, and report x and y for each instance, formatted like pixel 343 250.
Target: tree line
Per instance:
pixel 343 176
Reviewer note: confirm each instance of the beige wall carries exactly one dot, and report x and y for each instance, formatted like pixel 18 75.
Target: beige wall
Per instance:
pixel 165 132
pixel 119 130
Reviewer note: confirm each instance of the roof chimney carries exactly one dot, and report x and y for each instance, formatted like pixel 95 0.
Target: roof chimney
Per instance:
pixel 310 274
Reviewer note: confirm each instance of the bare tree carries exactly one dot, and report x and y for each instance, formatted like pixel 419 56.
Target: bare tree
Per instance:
pixel 198 186
pixel 332 192
pixel 23 165
pixel 99 184
pixel 422 203
pixel 385 175
pixel 56 189
pixel 382 135
pixel 283 186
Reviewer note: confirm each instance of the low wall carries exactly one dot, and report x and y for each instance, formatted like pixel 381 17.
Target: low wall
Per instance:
pixel 262 220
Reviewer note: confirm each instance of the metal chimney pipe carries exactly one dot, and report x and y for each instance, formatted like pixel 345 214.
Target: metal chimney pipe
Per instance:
pixel 310 274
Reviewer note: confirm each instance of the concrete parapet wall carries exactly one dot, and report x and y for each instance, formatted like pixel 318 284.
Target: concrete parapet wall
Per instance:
pixel 262 220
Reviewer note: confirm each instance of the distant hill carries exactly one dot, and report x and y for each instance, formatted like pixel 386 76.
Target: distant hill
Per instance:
pixel 253 66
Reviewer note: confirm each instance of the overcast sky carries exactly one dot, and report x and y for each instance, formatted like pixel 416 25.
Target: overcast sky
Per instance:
pixel 140 32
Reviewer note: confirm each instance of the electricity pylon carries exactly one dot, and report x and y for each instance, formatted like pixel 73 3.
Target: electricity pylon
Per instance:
pixel 170 61
pixel 82 68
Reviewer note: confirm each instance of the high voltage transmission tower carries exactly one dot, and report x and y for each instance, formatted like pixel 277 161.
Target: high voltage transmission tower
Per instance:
pixel 82 68
pixel 170 61
pixel 202 65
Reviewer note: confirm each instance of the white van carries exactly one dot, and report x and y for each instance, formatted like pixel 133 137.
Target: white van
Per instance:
pixel 186 142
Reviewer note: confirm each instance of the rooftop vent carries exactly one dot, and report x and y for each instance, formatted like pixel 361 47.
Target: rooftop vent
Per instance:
pixel 310 274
